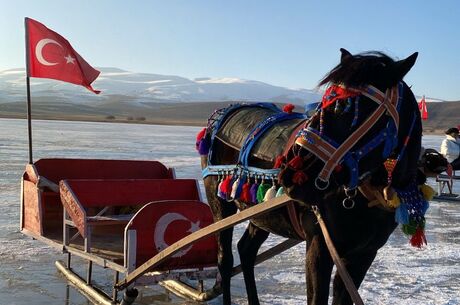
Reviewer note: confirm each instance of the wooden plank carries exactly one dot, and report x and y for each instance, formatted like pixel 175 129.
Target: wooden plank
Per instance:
pixel 45 182
pixel 198 235
pixel 127 192
pixel 31 212
pixel 73 208
pixel 281 247
pixel 58 169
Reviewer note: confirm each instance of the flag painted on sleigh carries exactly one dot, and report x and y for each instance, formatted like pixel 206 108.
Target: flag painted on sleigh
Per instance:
pixel 49 55
pixel 422 108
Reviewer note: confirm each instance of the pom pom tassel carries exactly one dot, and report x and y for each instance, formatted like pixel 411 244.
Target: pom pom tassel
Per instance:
pixel 203 147
pixel 237 187
pixel 200 135
pixel 280 192
pixel 263 188
pixel 220 194
pixel 402 215
pixel 270 194
pixel 226 186
pixel 288 108
pixel 418 239
pixel 253 192
pixel 296 163
pixel 299 177
pixel 427 192
pixel 245 193
pixel 202 143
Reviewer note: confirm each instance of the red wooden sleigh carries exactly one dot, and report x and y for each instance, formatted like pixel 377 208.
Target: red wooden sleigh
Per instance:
pixel 133 217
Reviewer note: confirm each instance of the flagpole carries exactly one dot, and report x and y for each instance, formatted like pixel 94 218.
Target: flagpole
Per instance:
pixel 29 120
pixel 29 107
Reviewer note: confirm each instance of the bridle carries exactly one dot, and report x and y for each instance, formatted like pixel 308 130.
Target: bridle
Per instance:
pixel 334 154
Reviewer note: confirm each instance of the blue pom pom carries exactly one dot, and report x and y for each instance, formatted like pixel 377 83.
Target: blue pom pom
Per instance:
pixel 402 215
pixel 203 147
pixel 239 188
pixel 425 206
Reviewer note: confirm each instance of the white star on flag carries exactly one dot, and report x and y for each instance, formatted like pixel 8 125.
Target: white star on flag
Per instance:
pixel 194 226
pixel 69 59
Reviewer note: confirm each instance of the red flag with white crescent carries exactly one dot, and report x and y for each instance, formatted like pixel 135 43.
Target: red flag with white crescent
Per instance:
pixel 49 55
pixel 422 108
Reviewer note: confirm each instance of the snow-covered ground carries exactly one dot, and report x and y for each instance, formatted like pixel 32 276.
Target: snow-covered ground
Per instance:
pixel 399 275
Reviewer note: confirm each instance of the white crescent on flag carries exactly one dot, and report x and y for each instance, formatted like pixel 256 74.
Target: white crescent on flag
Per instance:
pixel 162 226
pixel 39 51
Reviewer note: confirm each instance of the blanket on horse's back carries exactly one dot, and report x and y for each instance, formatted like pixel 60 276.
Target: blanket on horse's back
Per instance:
pixel 242 121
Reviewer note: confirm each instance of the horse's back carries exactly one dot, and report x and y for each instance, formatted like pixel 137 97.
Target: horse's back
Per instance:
pixel 242 122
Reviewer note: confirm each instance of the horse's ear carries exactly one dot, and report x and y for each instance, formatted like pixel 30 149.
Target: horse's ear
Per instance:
pixel 345 54
pixel 403 66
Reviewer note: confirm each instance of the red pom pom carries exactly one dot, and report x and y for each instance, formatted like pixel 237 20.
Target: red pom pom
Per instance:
pixel 245 193
pixel 418 239
pixel 226 186
pixel 299 177
pixel 288 108
pixel 279 161
pixel 201 135
pixel 296 162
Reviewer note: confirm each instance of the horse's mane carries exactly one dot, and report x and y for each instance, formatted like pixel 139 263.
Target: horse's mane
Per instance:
pixel 358 70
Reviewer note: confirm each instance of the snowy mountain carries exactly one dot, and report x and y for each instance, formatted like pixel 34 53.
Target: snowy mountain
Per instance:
pixel 150 88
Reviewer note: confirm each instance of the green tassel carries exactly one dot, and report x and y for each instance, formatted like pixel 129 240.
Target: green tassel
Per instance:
pixel 263 188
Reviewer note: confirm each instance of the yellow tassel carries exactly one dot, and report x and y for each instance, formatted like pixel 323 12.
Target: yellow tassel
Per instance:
pixel 427 192
pixel 394 202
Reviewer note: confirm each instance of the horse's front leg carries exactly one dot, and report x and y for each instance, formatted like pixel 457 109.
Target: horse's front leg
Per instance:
pixel 248 247
pixel 222 209
pixel 318 271
pixel 357 267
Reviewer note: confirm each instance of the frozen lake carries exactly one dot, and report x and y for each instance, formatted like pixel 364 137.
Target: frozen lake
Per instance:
pixel 400 274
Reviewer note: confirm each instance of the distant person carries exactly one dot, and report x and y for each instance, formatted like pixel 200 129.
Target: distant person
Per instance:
pixel 450 147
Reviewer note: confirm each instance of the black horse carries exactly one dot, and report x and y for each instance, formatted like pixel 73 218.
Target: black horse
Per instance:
pixel 388 144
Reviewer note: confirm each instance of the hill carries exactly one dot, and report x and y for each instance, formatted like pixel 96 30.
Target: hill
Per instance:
pixel 442 116
pixel 163 99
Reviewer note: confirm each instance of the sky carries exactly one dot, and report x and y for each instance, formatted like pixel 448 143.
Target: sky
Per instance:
pixel 286 43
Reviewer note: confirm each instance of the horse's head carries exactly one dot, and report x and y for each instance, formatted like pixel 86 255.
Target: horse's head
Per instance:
pixel 367 126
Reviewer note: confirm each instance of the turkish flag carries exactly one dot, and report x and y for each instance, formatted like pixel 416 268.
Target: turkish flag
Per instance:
pixel 422 108
pixel 49 55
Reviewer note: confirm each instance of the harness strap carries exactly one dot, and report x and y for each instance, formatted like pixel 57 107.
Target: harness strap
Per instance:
pixel 259 130
pixel 337 156
pixel 311 141
pixel 294 136
pixel 377 96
